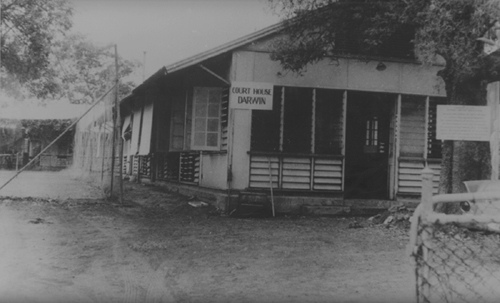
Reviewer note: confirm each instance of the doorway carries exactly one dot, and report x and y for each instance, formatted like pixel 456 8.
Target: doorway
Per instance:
pixel 367 145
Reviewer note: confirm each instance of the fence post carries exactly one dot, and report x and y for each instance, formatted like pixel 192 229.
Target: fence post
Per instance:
pixel 427 207
pixel 427 188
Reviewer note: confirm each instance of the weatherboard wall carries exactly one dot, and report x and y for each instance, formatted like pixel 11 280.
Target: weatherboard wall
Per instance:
pixel 344 74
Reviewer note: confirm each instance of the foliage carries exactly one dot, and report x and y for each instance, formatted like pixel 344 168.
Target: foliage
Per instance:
pixel 49 129
pixel 10 134
pixel 86 71
pixel 329 29
pixel 28 29
pixel 41 58
pixel 319 29
pixel 449 30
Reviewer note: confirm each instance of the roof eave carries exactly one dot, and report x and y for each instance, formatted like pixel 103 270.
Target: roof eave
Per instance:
pixel 225 48
pixel 204 56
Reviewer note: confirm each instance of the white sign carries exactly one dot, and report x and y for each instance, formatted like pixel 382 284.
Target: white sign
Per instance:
pixel 251 95
pixel 463 122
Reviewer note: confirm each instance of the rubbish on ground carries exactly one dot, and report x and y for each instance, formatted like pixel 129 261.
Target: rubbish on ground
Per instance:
pixel 396 214
pixel 198 204
pixel 388 220
pixel 39 221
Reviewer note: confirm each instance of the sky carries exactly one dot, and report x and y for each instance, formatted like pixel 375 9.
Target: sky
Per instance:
pixel 162 32
pixel 34 110
pixel 156 33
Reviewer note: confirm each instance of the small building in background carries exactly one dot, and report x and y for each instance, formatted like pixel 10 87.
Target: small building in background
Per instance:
pixel 27 127
pixel 23 140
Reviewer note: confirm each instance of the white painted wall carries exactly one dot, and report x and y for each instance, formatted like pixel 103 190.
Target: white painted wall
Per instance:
pixel 350 74
pixel 214 170
pixel 240 123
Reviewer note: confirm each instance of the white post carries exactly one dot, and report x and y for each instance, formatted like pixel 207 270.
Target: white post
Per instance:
pixel 427 207
pixel 427 188
pixel 492 99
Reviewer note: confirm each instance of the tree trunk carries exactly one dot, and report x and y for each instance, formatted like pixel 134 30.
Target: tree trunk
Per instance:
pixel 464 160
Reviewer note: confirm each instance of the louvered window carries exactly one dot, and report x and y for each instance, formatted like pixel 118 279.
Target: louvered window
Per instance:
pixel 189 163
pixel 178 120
pixel 303 120
pixel 306 125
pixel 412 128
pixel 433 145
pixel 145 166
pixel 224 117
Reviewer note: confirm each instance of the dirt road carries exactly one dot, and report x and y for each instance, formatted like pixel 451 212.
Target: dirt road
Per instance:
pixel 157 248
pixel 47 184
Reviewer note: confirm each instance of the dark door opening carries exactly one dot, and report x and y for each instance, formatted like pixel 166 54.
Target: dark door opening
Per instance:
pixel 367 145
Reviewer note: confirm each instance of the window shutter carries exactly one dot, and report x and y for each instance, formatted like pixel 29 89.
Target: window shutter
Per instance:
pixel 433 145
pixel 224 116
pixel 412 129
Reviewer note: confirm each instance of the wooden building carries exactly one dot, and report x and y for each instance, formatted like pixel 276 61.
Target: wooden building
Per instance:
pixel 350 133
pixel 23 139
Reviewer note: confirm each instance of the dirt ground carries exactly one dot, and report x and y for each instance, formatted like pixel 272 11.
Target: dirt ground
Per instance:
pixel 46 184
pixel 155 247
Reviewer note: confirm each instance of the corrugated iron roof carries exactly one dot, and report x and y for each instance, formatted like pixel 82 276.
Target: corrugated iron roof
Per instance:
pixel 224 48
pixel 204 56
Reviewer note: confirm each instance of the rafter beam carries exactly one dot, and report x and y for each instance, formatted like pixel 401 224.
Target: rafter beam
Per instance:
pixel 214 74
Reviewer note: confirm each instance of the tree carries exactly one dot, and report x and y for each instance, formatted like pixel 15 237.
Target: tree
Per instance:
pixel 28 29
pixel 49 129
pixel 85 71
pixel 451 29
pixel 41 59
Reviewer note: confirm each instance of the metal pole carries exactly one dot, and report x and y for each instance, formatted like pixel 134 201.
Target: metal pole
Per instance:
pixel 271 185
pixel 118 118
pixel 102 142
pixel 114 113
pixel 144 67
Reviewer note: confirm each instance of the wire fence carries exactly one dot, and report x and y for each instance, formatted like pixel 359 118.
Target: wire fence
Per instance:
pixel 97 146
pixel 458 264
pixel 457 256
